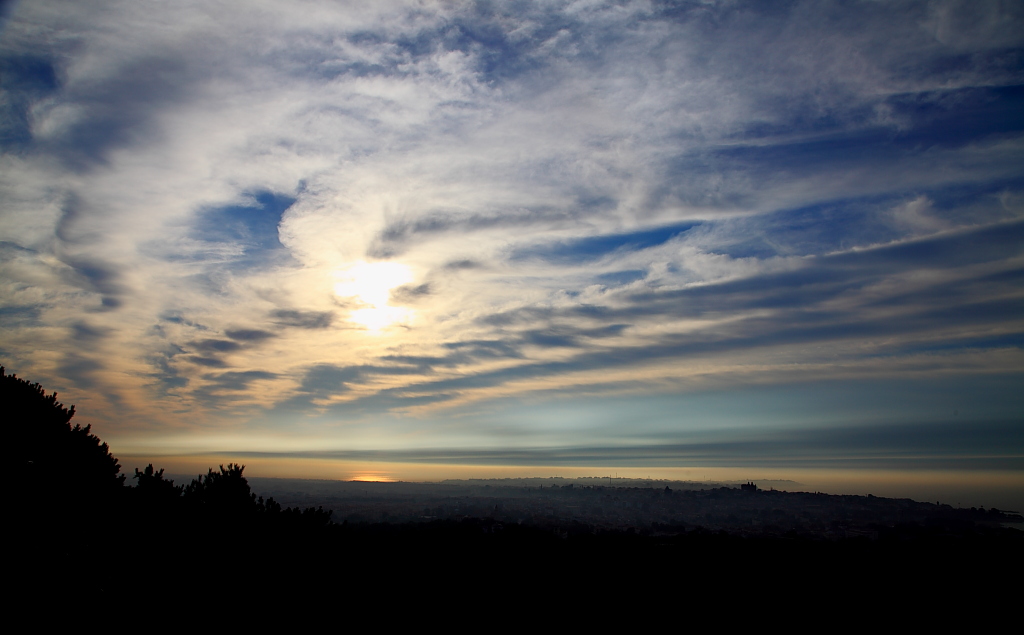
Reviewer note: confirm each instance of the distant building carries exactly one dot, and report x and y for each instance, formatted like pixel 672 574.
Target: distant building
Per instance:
pixel 748 487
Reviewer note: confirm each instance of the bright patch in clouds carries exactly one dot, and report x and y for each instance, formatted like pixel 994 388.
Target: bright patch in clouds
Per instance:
pixel 370 286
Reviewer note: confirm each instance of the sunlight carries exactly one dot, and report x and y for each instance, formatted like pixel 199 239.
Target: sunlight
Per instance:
pixel 372 477
pixel 370 283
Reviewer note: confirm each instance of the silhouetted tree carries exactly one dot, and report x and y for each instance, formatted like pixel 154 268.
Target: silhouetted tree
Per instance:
pixel 153 489
pixel 270 506
pixel 48 454
pixel 225 491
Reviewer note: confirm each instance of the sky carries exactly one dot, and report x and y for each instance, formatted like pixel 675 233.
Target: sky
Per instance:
pixel 673 238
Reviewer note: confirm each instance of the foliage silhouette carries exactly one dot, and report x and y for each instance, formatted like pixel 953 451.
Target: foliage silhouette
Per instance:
pixel 225 490
pixel 153 489
pixel 54 461
pixel 51 455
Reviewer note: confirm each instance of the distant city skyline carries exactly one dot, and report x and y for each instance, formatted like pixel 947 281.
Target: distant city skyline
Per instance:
pixel 422 240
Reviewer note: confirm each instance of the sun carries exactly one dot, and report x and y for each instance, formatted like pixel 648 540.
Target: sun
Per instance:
pixel 370 283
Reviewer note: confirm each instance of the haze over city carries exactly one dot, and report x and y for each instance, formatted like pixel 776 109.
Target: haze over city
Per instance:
pixel 431 240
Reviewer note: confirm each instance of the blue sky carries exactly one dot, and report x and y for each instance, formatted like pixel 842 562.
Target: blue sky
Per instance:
pixel 602 233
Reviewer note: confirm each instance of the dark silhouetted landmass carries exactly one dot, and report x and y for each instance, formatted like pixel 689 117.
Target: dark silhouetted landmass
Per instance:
pixel 654 507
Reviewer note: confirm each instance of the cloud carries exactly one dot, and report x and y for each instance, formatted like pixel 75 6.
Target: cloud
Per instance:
pixel 220 346
pixel 917 216
pixel 985 445
pixel 302 319
pixel 85 334
pixel 79 370
pixel 25 314
pixel 409 293
pixel 97 276
pixel 606 197
pixel 210 362
pixel 621 277
pixel 249 335
pixel 583 250
pixel 325 379
pixel 236 381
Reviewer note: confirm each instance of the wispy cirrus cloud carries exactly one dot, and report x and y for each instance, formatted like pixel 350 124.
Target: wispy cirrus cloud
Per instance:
pixel 571 198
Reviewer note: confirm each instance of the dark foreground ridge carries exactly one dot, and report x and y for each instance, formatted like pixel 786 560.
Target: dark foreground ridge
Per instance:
pixel 638 506
pixel 79 525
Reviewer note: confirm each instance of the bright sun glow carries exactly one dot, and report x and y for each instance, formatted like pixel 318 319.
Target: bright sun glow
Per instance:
pixel 372 477
pixel 370 283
